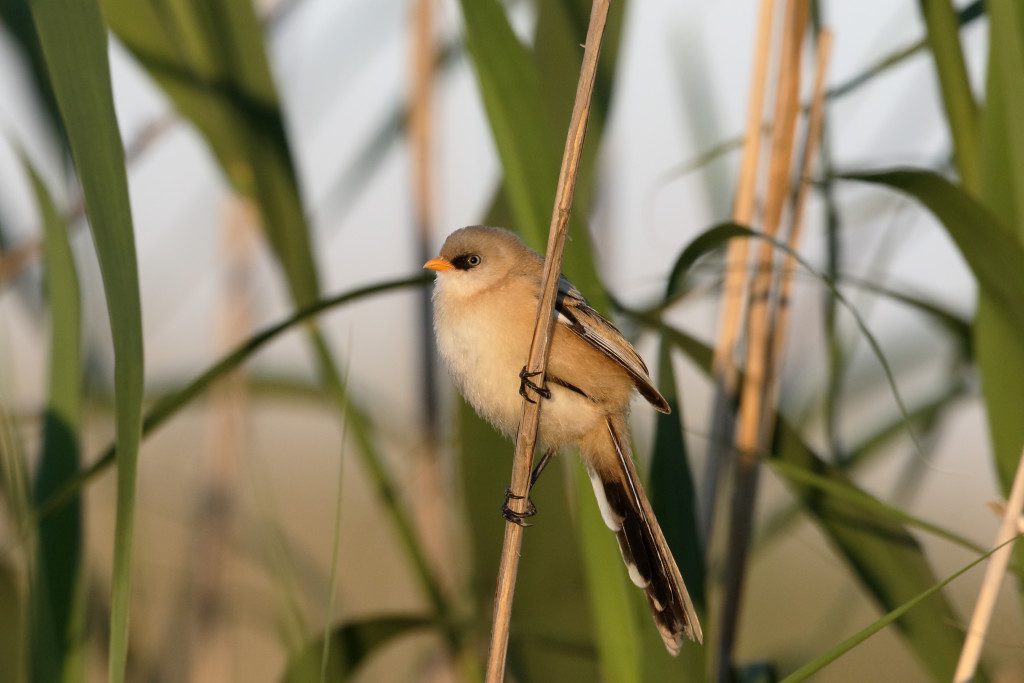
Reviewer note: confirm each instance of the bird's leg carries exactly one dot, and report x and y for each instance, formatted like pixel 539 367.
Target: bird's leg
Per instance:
pixel 531 509
pixel 539 467
pixel 525 381
pixel 517 517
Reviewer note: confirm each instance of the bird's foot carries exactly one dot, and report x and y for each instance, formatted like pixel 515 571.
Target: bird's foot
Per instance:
pixel 525 381
pixel 517 517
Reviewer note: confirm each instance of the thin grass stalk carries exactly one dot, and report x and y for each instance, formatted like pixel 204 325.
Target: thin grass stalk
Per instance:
pixel 820 662
pixel 994 573
pixel 753 392
pixel 833 257
pixel 386 490
pixel 812 140
pixel 332 587
pixel 526 438
pixel 736 261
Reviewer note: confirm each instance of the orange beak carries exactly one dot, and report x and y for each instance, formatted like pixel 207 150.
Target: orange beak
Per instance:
pixel 439 264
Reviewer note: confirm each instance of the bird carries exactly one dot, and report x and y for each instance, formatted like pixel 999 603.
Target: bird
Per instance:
pixel 486 291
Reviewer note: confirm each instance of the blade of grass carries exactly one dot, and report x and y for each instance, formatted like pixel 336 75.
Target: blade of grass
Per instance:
pixel 674 500
pixel 335 543
pixel 990 250
pixel 673 495
pixel 994 254
pixel 511 87
pixel 999 342
pixel 820 662
pixel 289 615
pixel 616 635
pixel 807 479
pixel 927 417
pixel 15 483
pixel 12 631
pixel 351 645
pixel 58 564
pixel 1002 139
pixel 17 19
pixel 961 109
pixel 15 494
pixel 210 59
pixel 74 44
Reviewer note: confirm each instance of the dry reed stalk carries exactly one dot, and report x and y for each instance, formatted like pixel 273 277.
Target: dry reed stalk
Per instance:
pixel 526 438
pixel 427 478
pixel 210 640
pixel 420 133
pixel 743 205
pixel 753 394
pixel 999 508
pixel 758 324
pixel 737 256
pixel 995 570
pixel 812 139
pixel 13 262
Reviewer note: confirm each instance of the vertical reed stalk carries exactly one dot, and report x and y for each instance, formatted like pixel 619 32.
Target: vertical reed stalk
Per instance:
pixel 753 393
pixel 429 499
pixel 527 437
pixel 209 643
pixel 737 256
pixel 420 132
pixel 994 573
pixel 812 140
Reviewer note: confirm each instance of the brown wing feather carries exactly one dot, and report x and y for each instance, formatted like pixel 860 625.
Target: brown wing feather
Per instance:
pixel 577 315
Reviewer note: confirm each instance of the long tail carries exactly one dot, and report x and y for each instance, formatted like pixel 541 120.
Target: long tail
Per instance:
pixel 627 512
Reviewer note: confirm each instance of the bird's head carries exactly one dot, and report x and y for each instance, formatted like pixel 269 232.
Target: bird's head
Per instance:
pixel 476 258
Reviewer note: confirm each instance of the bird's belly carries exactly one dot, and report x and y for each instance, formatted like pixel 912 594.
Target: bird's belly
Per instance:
pixel 484 359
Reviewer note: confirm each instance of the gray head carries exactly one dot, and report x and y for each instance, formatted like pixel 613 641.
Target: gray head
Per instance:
pixel 478 257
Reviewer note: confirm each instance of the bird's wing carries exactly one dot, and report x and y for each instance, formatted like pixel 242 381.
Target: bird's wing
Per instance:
pixel 576 314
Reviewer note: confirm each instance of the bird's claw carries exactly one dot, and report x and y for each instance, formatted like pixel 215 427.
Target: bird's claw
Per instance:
pixel 517 517
pixel 525 381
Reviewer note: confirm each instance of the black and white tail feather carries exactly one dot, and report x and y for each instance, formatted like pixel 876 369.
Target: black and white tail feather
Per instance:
pixel 627 512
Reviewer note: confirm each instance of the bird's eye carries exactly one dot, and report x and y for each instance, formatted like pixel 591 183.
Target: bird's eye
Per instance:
pixel 466 261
